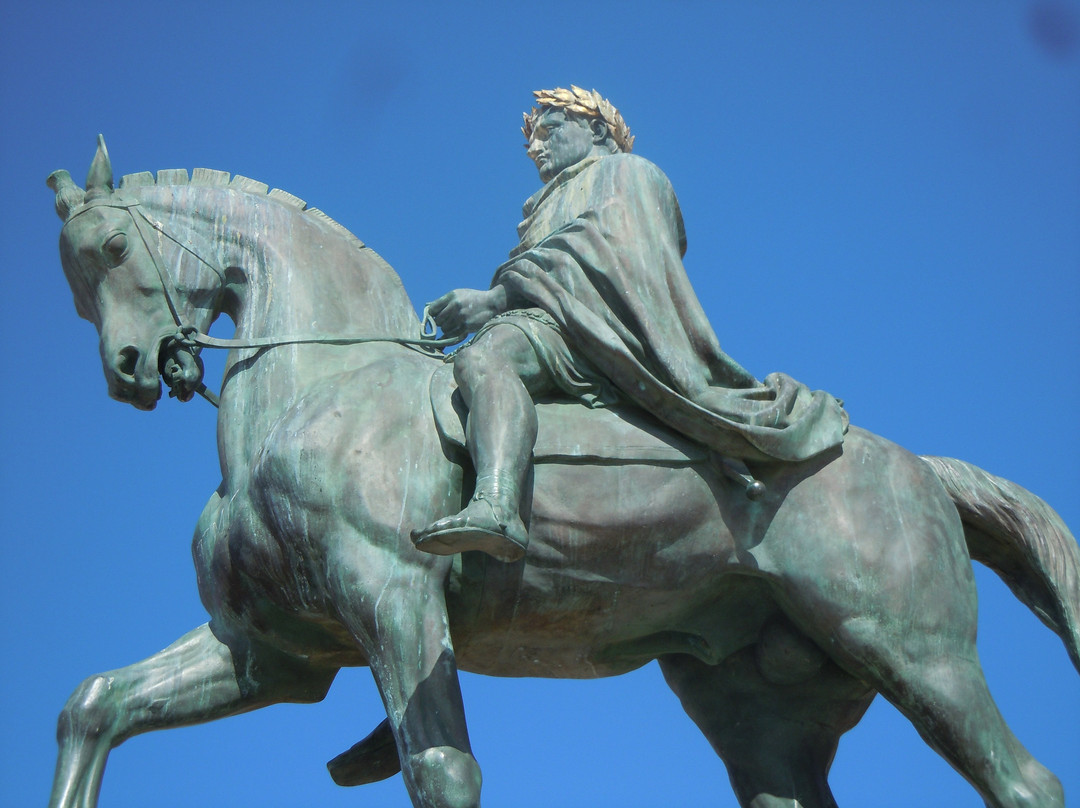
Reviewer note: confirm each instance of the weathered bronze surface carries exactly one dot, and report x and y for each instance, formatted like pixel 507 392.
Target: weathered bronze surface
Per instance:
pixel 594 303
pixel 775 619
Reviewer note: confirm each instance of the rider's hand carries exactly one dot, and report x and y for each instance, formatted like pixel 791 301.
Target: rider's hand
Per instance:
pixel 463 311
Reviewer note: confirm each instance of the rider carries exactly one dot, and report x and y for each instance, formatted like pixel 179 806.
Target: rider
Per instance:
pixel 594 302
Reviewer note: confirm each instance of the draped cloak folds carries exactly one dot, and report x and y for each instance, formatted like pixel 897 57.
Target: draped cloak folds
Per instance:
pixel 600 252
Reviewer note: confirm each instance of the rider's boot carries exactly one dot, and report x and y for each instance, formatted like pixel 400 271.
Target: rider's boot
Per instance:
pixel 498 376
pixel 490 523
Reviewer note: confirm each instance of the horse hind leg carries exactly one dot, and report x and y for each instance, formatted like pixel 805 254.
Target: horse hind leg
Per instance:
pixel 938 684
pixel 774 713
pixel 908 630
pixel 774 721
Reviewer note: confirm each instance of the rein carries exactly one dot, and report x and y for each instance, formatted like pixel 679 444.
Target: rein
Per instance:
pixel 189 336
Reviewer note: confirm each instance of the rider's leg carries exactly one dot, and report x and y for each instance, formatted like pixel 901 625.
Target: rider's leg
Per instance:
pixel 498 375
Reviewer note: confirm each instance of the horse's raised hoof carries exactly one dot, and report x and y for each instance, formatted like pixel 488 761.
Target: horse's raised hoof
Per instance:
pixel 373 759
pixel 477 527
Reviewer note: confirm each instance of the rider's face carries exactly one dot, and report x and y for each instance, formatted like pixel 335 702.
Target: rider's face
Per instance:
pixel 559 141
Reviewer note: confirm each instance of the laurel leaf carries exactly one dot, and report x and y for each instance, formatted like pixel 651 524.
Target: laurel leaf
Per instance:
pixel 581 102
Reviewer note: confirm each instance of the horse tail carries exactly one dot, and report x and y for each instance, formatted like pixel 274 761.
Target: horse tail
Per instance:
pixel 1023 540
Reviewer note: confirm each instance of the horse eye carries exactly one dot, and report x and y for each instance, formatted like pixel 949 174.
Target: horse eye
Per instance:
pixel 116 247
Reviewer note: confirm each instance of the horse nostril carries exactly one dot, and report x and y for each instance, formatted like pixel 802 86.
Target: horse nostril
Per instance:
pixel 127 361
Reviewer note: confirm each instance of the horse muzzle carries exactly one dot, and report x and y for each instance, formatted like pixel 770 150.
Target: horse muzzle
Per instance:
pixel 133 377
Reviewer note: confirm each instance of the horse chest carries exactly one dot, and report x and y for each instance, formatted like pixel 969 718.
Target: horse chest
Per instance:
pixel 247 570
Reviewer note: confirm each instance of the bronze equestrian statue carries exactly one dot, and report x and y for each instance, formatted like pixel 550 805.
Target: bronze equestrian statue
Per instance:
pixel 775 617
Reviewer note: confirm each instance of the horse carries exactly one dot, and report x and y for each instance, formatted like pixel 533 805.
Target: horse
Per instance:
pixel 775 620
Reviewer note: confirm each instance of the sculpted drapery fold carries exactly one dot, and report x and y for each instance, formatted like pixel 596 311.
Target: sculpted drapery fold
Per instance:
pixel 600 251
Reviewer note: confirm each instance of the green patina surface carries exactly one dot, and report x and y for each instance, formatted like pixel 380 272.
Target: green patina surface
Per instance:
pixel 776 611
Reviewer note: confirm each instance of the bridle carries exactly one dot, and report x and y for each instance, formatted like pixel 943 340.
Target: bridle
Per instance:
pixel 190 337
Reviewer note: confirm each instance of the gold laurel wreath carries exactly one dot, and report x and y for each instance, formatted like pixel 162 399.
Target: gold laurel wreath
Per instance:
pixel 581 102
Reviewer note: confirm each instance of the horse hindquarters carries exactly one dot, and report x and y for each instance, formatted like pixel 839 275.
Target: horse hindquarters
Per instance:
pixel 880 578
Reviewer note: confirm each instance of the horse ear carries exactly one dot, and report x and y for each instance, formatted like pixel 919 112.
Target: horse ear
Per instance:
pixel 100 179
pixel 68 195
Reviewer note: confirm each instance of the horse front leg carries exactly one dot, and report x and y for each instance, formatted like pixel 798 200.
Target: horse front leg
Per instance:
pixel 196 679
pixel 397 611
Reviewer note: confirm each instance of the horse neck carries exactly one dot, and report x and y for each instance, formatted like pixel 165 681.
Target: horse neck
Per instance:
pixel 289 272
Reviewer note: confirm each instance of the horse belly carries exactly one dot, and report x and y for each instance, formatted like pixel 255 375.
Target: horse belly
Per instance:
pixel 622 564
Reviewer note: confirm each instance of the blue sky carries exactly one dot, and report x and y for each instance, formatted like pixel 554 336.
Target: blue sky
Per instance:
pixel 881 200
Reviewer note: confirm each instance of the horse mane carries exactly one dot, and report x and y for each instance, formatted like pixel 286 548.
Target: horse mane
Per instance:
pixel 208 177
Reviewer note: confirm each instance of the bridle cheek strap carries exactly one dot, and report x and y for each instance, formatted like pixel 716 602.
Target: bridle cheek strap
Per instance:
pixel 142 222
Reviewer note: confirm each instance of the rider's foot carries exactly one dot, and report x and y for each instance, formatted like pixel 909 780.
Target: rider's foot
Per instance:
pixel 489 523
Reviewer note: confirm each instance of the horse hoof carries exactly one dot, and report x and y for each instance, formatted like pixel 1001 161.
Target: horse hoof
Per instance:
pixel 373 759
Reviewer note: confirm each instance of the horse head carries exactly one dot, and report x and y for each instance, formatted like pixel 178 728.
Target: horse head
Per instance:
pixel 136 284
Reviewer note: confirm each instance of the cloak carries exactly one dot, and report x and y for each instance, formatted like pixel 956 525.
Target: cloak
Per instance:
pixel 600 252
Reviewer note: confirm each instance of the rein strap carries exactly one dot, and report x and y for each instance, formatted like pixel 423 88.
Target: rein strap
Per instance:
pixel 189 335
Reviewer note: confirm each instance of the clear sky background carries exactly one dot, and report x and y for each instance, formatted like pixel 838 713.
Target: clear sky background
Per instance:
pixel 882 200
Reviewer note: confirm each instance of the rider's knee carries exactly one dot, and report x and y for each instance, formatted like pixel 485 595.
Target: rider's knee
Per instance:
pixel 446 777
pixel 501 349
pixel 469 366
